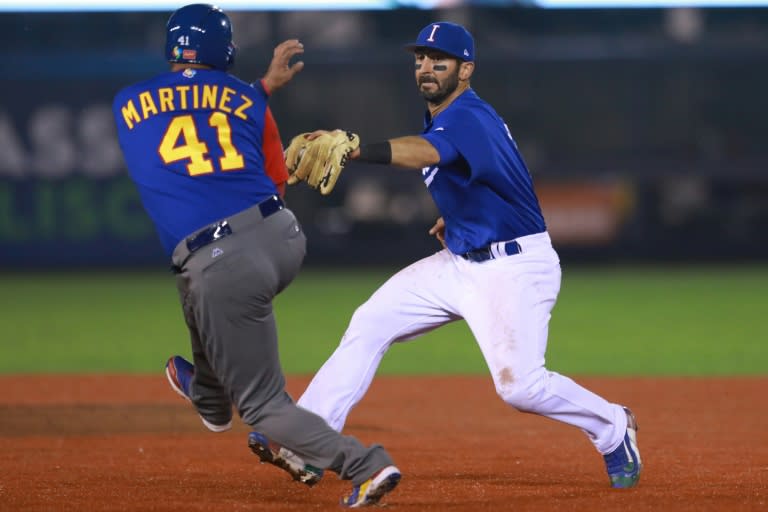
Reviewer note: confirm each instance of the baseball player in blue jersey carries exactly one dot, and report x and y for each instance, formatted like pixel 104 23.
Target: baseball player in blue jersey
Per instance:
pixel 498 270
pixel 206 157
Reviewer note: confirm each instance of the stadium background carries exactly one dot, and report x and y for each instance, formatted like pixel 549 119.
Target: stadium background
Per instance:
pixel 644 129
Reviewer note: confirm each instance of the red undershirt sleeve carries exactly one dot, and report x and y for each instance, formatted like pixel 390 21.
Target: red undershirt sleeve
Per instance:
pixel 274 165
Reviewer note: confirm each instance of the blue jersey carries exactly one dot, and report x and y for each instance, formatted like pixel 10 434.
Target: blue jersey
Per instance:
pixel 193 144
pixel 481 185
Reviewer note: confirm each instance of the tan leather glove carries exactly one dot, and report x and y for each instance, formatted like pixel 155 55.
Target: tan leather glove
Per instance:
pixel 321 160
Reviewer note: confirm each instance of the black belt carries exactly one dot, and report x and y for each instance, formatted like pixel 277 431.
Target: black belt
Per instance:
pixel 495 250
pixel 221 229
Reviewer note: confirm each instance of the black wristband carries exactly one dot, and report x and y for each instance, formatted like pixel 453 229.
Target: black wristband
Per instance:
pixel 376 153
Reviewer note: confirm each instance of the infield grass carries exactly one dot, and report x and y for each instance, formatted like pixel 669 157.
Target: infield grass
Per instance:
pixel 646 320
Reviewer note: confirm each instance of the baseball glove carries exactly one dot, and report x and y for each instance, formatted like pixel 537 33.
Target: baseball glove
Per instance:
pixel 295 151
pixel 320 161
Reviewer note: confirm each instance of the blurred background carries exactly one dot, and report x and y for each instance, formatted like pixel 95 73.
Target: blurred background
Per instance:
pixel 645 126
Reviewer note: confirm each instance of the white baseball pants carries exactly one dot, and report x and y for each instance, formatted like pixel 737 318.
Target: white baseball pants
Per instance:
pixel 505 301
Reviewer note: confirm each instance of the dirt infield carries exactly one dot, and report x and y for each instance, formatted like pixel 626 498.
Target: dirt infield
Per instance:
pixel 129 443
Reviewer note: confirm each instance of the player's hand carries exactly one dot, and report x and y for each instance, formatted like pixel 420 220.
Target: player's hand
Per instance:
pixel 438 230
pixel 280 72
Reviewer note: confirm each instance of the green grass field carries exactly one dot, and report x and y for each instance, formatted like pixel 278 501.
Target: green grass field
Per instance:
pixel 608 321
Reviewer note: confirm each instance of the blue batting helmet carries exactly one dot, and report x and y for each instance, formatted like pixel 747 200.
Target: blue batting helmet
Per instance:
pixel 200 34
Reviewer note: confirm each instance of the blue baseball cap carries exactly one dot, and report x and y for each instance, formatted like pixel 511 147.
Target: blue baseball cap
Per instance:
pixel 446 37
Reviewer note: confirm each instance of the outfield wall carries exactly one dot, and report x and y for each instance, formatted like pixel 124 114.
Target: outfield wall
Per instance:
pixel 646 136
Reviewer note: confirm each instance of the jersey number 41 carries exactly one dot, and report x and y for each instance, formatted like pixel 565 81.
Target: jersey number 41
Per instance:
pixel 181 142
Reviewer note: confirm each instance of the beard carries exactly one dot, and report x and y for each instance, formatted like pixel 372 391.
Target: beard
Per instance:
pixel 445 89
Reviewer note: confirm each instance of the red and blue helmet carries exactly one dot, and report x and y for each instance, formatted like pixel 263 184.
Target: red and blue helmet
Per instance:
pixel 200 34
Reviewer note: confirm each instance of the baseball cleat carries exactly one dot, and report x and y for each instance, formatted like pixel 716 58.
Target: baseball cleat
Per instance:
pixel 373 489
pixel 623 463
pixel 284 458
pixel 179 372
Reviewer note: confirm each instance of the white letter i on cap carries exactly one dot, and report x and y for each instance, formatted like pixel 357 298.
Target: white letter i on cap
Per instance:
pixel 431 37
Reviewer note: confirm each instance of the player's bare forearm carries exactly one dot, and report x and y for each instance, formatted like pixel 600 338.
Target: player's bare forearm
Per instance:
pixel 412 152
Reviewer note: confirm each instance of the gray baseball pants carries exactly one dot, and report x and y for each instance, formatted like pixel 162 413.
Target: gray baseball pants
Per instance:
pixel 226 290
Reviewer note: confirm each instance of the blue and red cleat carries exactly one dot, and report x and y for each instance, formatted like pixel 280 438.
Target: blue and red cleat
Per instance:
pixel 179 372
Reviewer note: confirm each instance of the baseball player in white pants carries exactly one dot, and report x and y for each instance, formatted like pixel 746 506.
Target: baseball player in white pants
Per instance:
pixel 506 302
pixel 498 270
